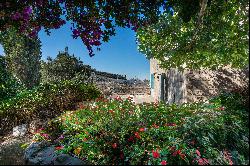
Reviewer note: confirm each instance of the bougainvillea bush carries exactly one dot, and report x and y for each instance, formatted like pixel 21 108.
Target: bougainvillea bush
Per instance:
pixel 117 132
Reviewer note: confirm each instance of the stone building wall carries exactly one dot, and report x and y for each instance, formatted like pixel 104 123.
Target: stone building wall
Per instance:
pixel 155 72
pixel 194 85
pixel 204 84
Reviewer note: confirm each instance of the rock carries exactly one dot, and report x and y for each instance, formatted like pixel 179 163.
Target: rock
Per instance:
pixel 19 130
pixel 41 153
pixel 65 159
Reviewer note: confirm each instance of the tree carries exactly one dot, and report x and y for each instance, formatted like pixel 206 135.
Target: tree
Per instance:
pixel 63 67
pixel 9 86
pixel 196 26
pixel 216 35
pixel 22 56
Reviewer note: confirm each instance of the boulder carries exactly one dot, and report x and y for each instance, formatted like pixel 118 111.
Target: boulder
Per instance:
pixel 41 153
pixel 19 130
pixel 65 159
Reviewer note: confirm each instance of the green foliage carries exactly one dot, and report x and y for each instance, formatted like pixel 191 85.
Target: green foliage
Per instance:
pixel 120 132
pixel 44 101
pixel 9 86
pixel 22 56
pixel 63 67
pixel 217 37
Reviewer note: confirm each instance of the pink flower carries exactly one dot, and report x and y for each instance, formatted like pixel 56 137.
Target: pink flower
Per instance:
pixel 141 129
pixel 164 162
pixel 61 137
pixel 45 135
pixel 156 154
pixel 198 152
pixel 203 161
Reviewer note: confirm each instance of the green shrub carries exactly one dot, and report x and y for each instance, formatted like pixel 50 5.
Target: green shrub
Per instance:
pixel 119 132
pixel 9 86
pixel 44 101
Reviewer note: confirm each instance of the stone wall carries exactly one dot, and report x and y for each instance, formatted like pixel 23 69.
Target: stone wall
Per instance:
pixel 194 85
pixel 204 84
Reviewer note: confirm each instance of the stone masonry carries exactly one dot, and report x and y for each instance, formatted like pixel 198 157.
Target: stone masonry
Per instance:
pixel 174 86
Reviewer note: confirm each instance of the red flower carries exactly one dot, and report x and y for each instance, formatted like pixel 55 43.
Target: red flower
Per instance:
pixel 198 152
pixel 141 129
pixel 59 147
pixel 221 108
pixel 137 135
pixel 182 156
pixel 156 154
pixel 114 145
pixel 155 126
pixel 131 138
pixel 111 111
pixel 122 155
pixel 164 162
pixel 176 152
pixel 170 124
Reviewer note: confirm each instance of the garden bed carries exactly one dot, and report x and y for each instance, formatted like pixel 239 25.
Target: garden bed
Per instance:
pixel 120 132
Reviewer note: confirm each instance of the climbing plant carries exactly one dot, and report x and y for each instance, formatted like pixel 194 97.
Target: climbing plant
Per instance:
pixel 22 56
pixel 216 35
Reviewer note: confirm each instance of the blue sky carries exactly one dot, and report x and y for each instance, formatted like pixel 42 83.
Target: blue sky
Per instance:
pixel 119 55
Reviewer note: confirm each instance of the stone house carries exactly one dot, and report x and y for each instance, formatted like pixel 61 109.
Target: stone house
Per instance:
pixel 173 86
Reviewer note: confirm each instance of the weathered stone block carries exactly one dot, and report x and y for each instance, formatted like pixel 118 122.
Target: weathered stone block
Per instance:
pixel 19 130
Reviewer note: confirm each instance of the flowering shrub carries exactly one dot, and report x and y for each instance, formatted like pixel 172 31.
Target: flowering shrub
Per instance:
pixel 120 132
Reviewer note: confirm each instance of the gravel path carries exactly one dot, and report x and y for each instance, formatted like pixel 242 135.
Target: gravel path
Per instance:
pixel 11 152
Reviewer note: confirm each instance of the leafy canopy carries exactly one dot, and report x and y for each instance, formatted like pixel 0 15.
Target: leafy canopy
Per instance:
pixel 215 35
pixel 92 20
